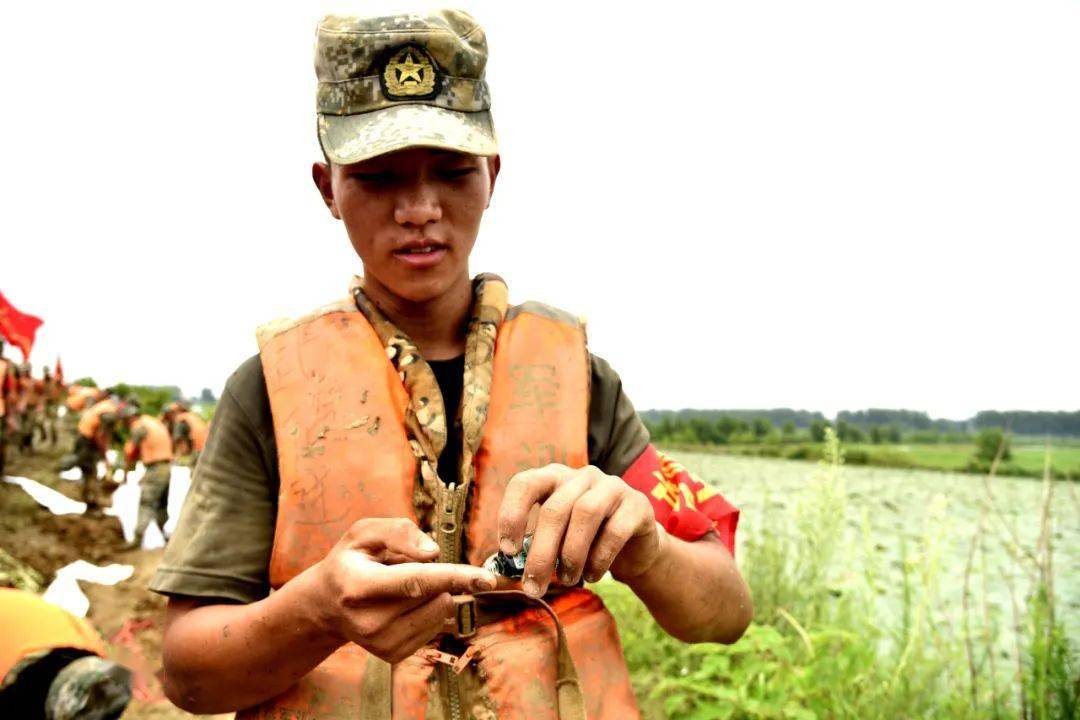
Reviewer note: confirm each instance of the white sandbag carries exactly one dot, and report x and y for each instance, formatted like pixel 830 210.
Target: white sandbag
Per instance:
pixel 75 474
pixel 178 490
pixel 64 590
pixel 125 507
pixel 53 501
pixel 152 539
pixel 125 501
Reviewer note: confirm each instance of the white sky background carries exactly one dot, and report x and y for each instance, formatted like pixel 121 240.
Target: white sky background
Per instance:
pixel 822 205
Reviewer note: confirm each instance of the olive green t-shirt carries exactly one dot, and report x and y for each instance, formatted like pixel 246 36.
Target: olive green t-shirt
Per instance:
pixel 222 543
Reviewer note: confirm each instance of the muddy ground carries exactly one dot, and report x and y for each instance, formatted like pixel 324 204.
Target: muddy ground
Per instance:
pixel 128 615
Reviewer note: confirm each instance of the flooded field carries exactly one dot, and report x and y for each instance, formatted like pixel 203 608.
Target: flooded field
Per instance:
pixel 893 515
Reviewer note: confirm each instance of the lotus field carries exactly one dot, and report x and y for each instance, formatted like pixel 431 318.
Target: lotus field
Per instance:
pixel 880 593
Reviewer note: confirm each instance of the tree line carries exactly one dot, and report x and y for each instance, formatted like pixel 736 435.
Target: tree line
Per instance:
pixel 729 430
pixel 876 425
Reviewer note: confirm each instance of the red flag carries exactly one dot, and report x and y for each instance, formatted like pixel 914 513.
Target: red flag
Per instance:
pixel 19 328
pixel 59 372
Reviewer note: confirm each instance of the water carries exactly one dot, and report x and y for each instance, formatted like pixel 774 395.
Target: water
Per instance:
pixel 904 506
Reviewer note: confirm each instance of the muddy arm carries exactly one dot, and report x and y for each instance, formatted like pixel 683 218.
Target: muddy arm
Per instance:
pixel 220 658
pixel 695 591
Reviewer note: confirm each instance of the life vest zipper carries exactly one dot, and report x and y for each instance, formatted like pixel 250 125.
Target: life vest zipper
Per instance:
pixel 449 518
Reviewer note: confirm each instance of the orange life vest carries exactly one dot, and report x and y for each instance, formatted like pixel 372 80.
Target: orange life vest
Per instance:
pixel 200 429
pixel 90 421
pixel 155 447
pixel 37 394
pixel 32 625
pixel 343 453
pixel 78 396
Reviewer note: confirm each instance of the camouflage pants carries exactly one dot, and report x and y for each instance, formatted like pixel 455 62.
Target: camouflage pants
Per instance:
pixel 30 423
pixel 48 423
pixel 88 455
pixel 153 498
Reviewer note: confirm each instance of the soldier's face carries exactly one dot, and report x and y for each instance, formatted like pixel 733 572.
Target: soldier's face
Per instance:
pixel 412 216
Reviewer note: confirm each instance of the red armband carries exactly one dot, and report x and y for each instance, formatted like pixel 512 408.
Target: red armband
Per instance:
pixel 685 506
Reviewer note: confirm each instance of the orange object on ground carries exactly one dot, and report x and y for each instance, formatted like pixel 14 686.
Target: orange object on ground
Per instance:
pixel 343 452
pixel 32 625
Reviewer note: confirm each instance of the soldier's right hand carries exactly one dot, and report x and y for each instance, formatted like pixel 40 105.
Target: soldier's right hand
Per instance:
pixel 379 588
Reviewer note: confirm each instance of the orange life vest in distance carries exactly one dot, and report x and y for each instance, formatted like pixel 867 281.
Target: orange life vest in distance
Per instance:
pixel 90 421
pixel 78 396
pixel 37 394
pixel 32 625
pixel 200 429
pixel 155 447
pixel 338 406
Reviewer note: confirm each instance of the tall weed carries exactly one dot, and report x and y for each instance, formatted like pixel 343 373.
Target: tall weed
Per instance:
pixel 823 646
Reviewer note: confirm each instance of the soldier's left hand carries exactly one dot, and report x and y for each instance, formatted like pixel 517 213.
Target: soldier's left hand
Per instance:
pixel 590 521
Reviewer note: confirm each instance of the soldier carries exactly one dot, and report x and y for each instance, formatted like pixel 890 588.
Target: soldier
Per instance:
pixel 80 396
pixel 150 444
pixel 189 431
pixel 22 402
pixel 53 392
pixel 33 409
pixel 94 436
pixel 378 453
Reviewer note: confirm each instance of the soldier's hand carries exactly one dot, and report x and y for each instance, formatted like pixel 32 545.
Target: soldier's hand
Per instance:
pixel 589 521
pixel 380 590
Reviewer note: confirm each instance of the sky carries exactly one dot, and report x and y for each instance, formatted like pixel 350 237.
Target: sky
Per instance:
pixel 829 205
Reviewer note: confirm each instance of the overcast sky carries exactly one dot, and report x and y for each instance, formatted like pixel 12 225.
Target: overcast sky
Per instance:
pixel 821 205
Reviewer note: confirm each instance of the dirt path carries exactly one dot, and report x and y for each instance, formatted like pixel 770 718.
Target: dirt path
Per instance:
pixel 128 615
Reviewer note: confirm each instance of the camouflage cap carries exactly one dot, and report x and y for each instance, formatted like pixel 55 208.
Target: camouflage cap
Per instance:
pixel 392 82
pixel 89 688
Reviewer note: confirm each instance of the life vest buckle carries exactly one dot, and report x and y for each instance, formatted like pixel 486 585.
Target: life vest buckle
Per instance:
pixel 456 662
pixel 465 624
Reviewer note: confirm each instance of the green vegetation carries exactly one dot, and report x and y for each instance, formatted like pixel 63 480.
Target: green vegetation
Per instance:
pixel 991 442
pixel 152 398
pixel 878 445
pixel 1021 422
pixel 843 629
pixel 1026 460
pixel 777 416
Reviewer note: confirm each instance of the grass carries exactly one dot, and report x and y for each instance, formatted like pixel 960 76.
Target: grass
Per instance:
pixel 955 457
pixel 844 630
pixel 1027 459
